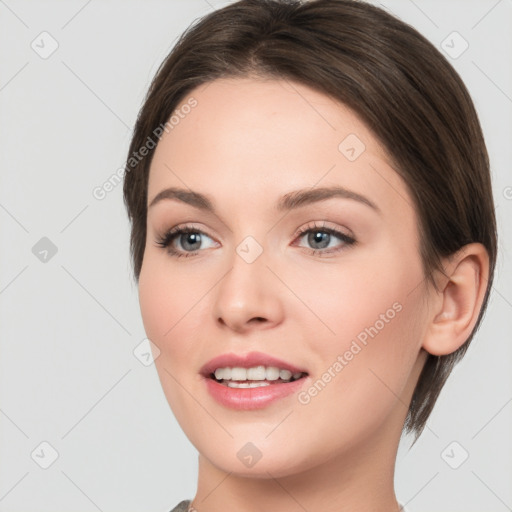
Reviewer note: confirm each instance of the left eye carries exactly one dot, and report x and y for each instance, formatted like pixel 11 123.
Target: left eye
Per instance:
pixel 321 238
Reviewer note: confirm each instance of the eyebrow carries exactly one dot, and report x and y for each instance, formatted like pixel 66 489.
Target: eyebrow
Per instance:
pixel 289 201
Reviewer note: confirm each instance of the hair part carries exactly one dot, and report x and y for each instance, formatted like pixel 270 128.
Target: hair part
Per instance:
pixel 391 76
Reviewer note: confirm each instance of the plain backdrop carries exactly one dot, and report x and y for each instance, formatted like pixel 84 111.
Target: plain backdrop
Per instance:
pixel 84 423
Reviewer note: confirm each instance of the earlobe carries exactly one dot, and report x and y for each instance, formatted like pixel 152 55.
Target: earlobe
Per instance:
pixel 459 300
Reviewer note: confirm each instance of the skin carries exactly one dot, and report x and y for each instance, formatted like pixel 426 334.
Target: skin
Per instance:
pixel 246 143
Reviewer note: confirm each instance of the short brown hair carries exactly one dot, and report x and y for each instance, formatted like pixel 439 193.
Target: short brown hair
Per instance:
pixel 399 84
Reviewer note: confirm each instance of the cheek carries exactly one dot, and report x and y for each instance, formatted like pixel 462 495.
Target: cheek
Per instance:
pixel 362 372
pixel 365 310
pixel 154 302
pixel 165 297
pixel 173 308
pixel 165 304
pixel 346 297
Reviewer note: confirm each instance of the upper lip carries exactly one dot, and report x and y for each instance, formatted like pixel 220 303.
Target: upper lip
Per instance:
pixel 248 360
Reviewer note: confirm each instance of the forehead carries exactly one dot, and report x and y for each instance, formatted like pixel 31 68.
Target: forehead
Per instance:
pixel 247 137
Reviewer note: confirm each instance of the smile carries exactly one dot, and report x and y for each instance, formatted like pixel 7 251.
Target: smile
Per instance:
pixel 251 381
pixel 256 376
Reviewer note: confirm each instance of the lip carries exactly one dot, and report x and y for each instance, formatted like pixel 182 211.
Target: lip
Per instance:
pixel 249 398
pixel 246 361
pixel 252 398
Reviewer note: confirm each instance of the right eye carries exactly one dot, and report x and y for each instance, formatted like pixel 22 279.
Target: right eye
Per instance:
pixel 188 237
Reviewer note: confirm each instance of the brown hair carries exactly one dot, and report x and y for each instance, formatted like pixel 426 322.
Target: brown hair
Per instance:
pixel 399 84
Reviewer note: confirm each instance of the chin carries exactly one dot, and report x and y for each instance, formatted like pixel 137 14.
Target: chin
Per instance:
pixel 246 460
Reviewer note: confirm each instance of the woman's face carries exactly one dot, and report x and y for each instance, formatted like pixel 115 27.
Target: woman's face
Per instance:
pixel 281 266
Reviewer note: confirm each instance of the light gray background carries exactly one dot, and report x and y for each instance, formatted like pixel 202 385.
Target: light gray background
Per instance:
pixel 69 326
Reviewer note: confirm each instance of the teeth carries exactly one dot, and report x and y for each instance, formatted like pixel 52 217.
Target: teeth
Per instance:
pixel 256 373
pixel 272 373
pixel 223 373
pixel 238 373
pixel 285 374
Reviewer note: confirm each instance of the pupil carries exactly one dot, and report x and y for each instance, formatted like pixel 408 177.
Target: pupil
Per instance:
pixel 195 239
pixel 322 239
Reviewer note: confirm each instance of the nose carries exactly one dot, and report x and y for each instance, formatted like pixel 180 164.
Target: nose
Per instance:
pixel 249 296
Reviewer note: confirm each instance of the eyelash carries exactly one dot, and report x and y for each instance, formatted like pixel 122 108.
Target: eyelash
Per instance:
pixel 166 240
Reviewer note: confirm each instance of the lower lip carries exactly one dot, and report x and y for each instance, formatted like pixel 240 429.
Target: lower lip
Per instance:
pixel 251 398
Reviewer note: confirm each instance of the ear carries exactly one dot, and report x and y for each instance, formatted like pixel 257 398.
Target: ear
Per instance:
pixel 458 301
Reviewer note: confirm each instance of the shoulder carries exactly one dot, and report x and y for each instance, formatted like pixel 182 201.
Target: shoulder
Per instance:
pixel 182 506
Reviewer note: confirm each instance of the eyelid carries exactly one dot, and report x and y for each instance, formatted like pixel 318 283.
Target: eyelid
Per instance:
pixel 347 240
pixel 324 226
pixel 165 240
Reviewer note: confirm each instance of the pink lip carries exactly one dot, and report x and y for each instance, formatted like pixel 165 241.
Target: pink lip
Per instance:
pixel 249 398
pixel 246 361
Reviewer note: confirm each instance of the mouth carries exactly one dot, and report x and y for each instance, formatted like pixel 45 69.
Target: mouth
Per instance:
pixel 251 381
pixel 255 376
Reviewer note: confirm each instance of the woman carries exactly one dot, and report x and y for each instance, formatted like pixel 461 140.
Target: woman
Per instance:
pixel 314 241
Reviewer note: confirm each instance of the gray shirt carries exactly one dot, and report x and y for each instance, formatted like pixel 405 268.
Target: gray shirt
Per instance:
pixel 182 506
